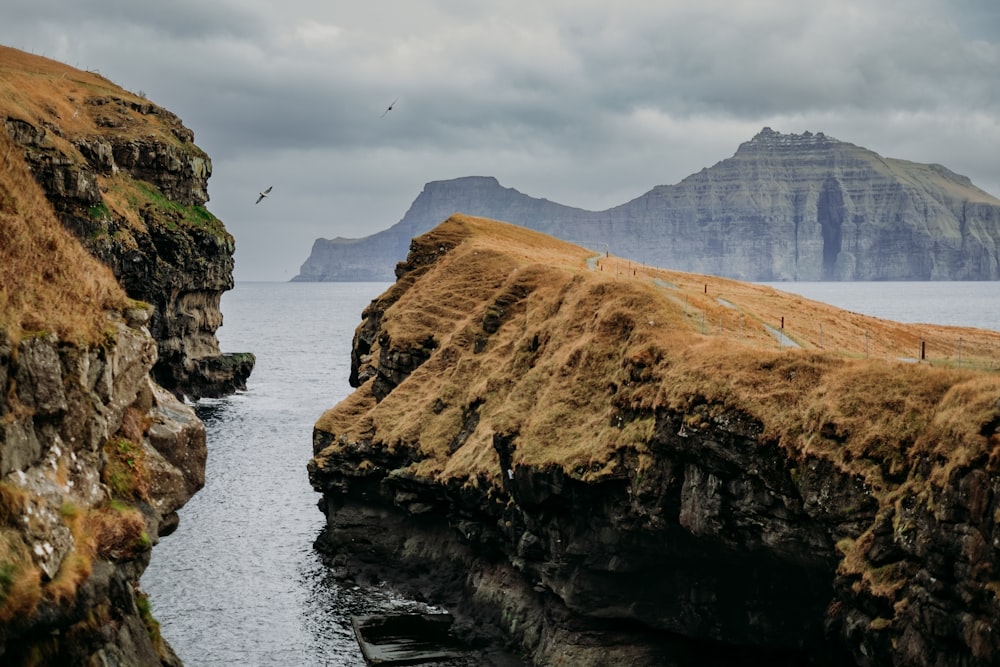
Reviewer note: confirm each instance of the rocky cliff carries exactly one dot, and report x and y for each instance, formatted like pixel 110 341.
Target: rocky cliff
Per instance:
pixel 95 458
pixel 784 207
pixel 604 467
pixel 95 461
pixel 125 176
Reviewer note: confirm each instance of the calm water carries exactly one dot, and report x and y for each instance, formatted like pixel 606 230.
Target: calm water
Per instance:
pixel 239 582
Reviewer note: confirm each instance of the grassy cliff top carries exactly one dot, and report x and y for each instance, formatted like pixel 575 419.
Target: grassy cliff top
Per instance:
pixel 71 108
pixel 72 103
pixel 572 353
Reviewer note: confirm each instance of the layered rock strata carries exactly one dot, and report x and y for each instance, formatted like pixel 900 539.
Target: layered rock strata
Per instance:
pixel 783 207
pixel 571 462
pixel 95 461
pixel 96 457
pixel 126 178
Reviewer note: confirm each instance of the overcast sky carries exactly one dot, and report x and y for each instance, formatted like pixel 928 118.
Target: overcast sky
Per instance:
pixel 589 103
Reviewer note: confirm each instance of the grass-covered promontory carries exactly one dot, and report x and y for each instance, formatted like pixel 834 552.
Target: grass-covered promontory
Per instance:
pixel 575 352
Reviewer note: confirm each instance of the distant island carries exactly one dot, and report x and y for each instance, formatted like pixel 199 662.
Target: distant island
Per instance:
pixel 783 207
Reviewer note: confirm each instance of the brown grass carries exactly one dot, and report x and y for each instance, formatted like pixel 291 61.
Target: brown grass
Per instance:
pixel 77 566
pixel 117 531
pixel 20 579
pixel 113 531
pixel 47 93
pixel 585 355
pixel 48 282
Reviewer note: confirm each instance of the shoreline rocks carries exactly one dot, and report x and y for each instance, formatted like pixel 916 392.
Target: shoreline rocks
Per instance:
pixel 95 460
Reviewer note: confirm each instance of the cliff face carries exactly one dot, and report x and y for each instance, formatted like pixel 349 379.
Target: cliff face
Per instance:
pixel 810 207
pixel 569 455
pixel 784 207
pixel 95 460
pixel 126 178
pixel 98 189
pixel 373 257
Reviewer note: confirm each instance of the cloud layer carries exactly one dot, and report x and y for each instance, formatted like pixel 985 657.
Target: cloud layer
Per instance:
pixel 581 102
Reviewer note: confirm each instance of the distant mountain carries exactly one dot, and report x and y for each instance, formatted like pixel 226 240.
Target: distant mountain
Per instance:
pixel 783 207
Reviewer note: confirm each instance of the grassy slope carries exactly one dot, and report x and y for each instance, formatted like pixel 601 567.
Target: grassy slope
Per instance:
pixel 594 345
pixel 48 282
pixel 60 98
pixel 48 93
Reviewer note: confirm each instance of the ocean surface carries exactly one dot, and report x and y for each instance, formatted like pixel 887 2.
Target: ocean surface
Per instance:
pixel 239 583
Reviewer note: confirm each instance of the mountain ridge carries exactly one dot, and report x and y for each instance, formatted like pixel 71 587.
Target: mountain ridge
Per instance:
pixel 782 207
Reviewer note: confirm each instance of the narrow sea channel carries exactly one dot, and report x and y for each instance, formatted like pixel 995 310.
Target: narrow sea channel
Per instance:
pixel 239 582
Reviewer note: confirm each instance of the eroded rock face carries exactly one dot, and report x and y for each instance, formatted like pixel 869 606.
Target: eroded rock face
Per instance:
pixel 783 207
pixel 715 551
pixel 179 258
pixel 709 539
pixel 65 407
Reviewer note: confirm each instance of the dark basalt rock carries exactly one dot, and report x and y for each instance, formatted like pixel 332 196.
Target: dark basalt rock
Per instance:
pixel 180 260
pixel 79 396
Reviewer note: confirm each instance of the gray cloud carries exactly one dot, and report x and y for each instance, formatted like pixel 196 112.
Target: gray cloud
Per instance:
pixel 582 102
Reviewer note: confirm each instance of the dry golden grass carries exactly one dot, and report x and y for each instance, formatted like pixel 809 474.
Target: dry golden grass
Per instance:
pixel 114 531
pixel 74 105
pixel 20 578
pixel 117 531
pixel 586 353
pixel 77 566
pixel 48 282
pixel 47 93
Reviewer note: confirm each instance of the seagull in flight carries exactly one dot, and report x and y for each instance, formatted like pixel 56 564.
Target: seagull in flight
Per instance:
pixel 263 194
pixel 388 109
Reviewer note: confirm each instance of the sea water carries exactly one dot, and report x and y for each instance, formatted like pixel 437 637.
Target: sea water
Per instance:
pixel 239 582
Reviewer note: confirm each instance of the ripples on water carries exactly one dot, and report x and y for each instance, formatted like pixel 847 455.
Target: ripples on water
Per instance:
pixel 239 582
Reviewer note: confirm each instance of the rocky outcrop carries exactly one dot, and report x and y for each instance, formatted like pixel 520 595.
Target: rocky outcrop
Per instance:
pixel 784 207
pixel 95 456
pixel 126 178
pixel 95 461
pixel 571 463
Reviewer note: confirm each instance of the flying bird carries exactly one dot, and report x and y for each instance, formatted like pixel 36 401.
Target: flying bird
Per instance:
pixel 388 109
pixel 263 194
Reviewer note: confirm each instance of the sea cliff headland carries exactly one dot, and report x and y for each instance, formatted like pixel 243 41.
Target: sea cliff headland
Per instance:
pixel 600 463
pixel 110 275
pixel 125 176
